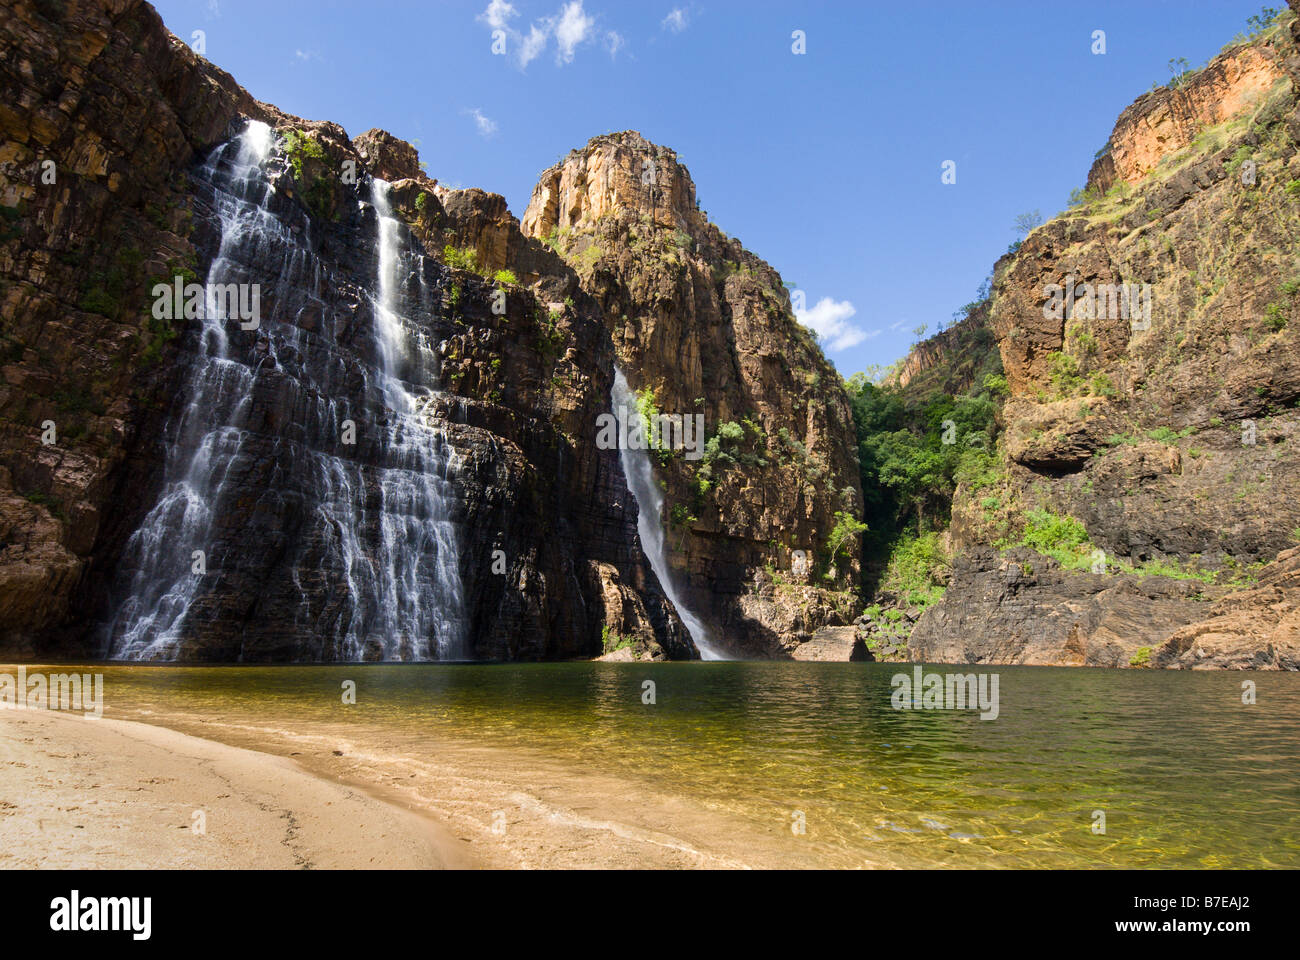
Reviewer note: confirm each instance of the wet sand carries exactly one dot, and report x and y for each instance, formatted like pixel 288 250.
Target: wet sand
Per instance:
pixel 119 794
pixel 115 794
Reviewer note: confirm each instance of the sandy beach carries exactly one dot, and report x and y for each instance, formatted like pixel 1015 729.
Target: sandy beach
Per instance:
pixel 119 794
pixel 116 794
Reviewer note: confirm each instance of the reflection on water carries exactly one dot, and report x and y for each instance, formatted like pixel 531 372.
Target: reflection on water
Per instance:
pixel 1186 774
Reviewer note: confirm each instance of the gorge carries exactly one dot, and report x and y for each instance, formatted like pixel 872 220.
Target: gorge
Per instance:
pixel 399 460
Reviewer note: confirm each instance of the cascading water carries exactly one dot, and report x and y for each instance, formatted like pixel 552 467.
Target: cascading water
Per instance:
pixel 270 518
pixel 639 470
pixel 419 542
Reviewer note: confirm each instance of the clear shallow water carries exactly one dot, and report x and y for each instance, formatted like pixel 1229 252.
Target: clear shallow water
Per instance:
pixel 1187 775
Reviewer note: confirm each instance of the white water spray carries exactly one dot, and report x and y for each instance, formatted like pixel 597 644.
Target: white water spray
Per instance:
pixel 359 542
pixel 639 471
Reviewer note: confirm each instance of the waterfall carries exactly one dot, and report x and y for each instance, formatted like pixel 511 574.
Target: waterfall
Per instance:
pixel 269 518
pixel 419 542
pixel 639 470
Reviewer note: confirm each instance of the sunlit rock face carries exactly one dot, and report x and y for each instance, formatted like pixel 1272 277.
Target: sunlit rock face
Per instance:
pixel 707 327
pixel 384 465
pixel 1168 433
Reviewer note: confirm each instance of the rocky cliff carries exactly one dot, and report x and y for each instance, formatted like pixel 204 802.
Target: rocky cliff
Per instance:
pixel 399 458
pixel 1149 442
pixel 295 523
pixel 702 326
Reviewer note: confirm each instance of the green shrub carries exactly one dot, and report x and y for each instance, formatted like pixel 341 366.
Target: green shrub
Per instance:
pixel 1062 538
pixel 505 278
pixel 460 259
pixel 846 530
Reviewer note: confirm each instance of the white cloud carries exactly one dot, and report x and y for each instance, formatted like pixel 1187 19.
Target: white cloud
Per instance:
pixel 829 320
pixel 532 45
pixel 573 29
pixel 614 42
pixel 498 14
pixel 486 125
pixel 677 20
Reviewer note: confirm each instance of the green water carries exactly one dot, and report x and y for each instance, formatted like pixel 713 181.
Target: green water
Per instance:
pixel 1186 775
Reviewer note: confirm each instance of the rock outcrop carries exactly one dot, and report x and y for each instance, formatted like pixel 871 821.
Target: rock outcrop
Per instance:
pixel 833 645
pixel 702 326
pixel 295 525
pixel 550 561
pixel 1019 607
pixel 1169 118
pixel 1148 340
pixel 1255 629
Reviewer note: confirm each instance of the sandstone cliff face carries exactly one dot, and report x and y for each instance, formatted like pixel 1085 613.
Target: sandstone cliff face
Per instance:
pixel 702 326
pixel 1019 607
pixel 549 557
pixel 93 146
pixel 1168 119
pixel 952 361
pixel 1171 436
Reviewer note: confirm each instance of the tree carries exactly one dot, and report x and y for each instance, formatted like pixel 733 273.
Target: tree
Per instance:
pixel 1027 222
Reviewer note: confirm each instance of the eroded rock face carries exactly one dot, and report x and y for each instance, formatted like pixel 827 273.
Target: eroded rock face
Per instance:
pixel 833 645
pixel 702 326
pixel 1166 120
pixel 1168 433
pixel 548 550
pixel 103 111
pixel 1019 607
pixel 1255 629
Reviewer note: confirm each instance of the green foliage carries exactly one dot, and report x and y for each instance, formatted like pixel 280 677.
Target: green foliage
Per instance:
pixel 301 147
pixel 52 504
pixel 106 289
pixel 1063 372
pixel 1082 196
pixel 1180 71
pixel 1166 435
pixel 1100 385
pixel 549 332
pixel 914 570
pixel 610 641
pixel 1141 657
pixel 505 278
pixel 1063 538
pixel 460 259
pixel 11 219
pixel 843 534
pixel 1262 21
pixel 318 192
pixel 1293 188
pixel 1026 223
pixel 421 201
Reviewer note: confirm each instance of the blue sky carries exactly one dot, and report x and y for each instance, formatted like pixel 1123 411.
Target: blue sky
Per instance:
pixel 826 164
